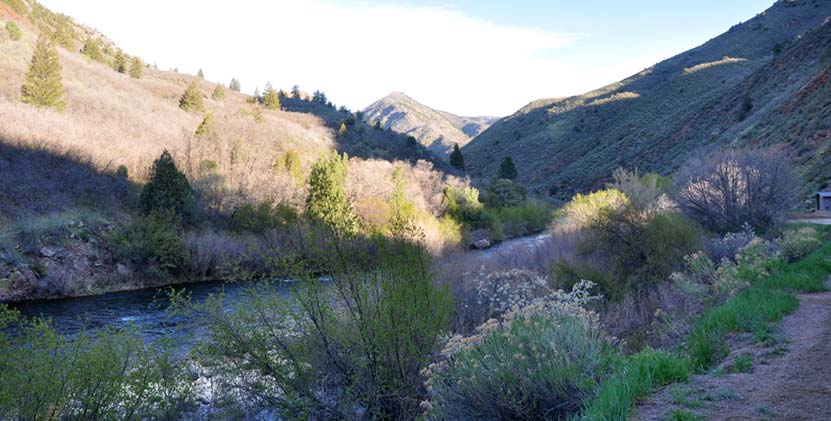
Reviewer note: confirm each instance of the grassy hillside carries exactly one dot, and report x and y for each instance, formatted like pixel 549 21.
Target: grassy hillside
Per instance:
pixel 653 120
pixel 437 130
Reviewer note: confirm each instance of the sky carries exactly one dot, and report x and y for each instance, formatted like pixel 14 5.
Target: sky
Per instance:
pixel 468 57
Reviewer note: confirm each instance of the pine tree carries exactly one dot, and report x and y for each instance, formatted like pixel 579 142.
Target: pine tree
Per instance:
pixel 43 87
pixel 235 85
pixel 402 210
pixel 92 49
pixel 219 93
pixel 456 158
pixel 206 128
pixel 259 117
pixel 201 74
pixel 14 31
pixel 136 68
pixel 120 64
pixel 192 99
pixel 327 200
pixel 342 130
pixel 507 170
pixel 271 100
pixel 168 191
pixel 295 92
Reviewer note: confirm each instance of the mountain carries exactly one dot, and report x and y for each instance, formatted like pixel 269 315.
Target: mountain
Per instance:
pixel 437 130
pixel 764 81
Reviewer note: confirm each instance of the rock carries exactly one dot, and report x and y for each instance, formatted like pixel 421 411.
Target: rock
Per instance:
pixel 482 244
pixel 122 269
pixel 47 252
pixel 80 224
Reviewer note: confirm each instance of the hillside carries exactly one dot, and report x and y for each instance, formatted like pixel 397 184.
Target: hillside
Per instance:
pixel 437 130
pixel 653 120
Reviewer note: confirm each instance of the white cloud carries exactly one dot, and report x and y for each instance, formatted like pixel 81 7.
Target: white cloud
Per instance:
pixel 355 52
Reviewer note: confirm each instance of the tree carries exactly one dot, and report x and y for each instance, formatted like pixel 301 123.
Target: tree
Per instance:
pixel 271 100
pixel 219 93
pixel 402 211
pixel 342 130
pixel 744 110
pixel 295 92
pixel 201 74
pixel 507 170
pixel 290 163
pixel 14 31
pixel 136 68
pixel 43 87
pixel 319 97
pixel 456 158
pixel 120 63
pixel 192 99
pixel 92 49
pixel 167 192
pixel 206 128
pixel 729 188
pixel 235 85
pixel 327 200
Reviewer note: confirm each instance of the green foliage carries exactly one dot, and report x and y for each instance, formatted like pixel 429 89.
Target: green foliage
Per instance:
pixel 14 31
pixel 92 49
pixel 798 243
pixel 42 87
pixel 235 85
pixel 120 63
pixel 290 163
pixel 271 99
pixel 583 210
pixel 507 169
pixel 543 362
pixel 402 210
pixel 136 68
pixel 353 347
pixel 263 217
pixel 457 160
pixel 191 99
pixel 464 206
pixel 18 6
pixel 206 128
pixel 167 191
pixel 742 364
pixel 121 172
pixel 327 200
pixel 219 93
pixel 342 129
pixel 504 192
pixel 152 244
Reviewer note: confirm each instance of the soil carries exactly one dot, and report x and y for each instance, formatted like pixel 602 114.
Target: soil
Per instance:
pixel 789 379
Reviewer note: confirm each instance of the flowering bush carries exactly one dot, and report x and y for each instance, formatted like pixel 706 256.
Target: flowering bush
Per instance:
pixel 541 361
pixel 796 244
pixel 499 292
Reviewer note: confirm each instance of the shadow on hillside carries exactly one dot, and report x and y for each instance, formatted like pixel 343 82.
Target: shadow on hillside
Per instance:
pixel 36 180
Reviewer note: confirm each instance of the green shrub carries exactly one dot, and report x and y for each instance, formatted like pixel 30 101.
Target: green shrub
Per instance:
pixel 530 217
pixel 153 244
pixel 504 192
pixel 191 99
pixel 219 93
pixel 263 217
pixel 798 243
pixel 583 210
pixel 92 49
pixel 464 206
pixel 167 191
pixel 271 100
pixel 327 201
pixel 14 31
pixel 543 362
pixel 136 68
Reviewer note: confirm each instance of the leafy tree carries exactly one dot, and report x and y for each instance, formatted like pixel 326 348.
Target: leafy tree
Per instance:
pixel 136 68
pixel 507 170
pixel 14 31
pixel 456 158
pixel 192 99
pixel 201 74
pixel 402 209
pixel 290 163
pixel 206 128
pixel 120 64
pixel 92 49
pixel 271 100
pixel 219 93
pixel 43 87
pixel 235 85
pixel 168 191
pixel 327 200
pixel 503 192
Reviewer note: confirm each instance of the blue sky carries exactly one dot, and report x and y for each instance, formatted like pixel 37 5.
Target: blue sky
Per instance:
pixel 463 56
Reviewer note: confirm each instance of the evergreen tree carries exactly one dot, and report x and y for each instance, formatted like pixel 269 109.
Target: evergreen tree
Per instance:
pixel 167 192
pixel 192 99
pixel 219 93
pixel 120 64
pixel 271 100
pixel 295 92
pixel 402 210
pixel 456 158
pixel 235 85
pixel 342 130
pixel 14 31
pixel 377 124
pixel 43 87
pixel 290 163
pixel 201 74
pixel 507 170
pixel 327 200
pixel 92 49
pixel 258 114
pixel 136 68
pixel 206 128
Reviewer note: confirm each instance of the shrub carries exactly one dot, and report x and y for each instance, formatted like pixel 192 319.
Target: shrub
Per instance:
pixel 507 169
pixel 152 244
pixel 191 99
pixel 263 217
pixel 505 192
pixel 798 243
pixel 530 217
pixel 14 31
pixel 727 189
pixel 167 191
pixel 206 128
pixel 136 68
pixel 219 93
pixel 120 62
pixel 583 210
pixel 457 160
pixel 271 100
pixel 92 49
pixel 542 362
pixel 42 87
pixel 464 206
pixel 327 202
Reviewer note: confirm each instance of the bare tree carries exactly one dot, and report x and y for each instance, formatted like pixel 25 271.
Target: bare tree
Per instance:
pixel 732 187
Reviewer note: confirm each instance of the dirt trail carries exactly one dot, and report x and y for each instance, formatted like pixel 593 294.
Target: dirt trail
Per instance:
pixel 788 380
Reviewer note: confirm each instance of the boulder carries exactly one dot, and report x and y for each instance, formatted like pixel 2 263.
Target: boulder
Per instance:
pixel 122 269
pixel 482 244
pixel 47 252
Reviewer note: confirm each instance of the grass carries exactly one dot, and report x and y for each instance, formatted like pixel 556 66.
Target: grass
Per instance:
pixel 756 310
